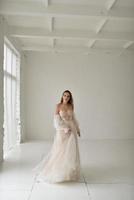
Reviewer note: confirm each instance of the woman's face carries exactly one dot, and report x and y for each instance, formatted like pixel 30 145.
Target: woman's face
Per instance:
pixel 66 97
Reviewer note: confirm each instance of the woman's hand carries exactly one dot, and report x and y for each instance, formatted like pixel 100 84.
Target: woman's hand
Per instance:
pixel 78 132
pixel 67 130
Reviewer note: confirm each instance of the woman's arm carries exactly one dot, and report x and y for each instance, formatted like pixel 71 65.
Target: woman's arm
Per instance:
pixel 59 124
pixel 76 124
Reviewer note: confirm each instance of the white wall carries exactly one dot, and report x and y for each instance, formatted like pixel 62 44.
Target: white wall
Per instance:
pixel 1 88
pixel 102 88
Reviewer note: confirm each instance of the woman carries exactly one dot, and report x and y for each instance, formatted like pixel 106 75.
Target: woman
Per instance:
pixel 62 163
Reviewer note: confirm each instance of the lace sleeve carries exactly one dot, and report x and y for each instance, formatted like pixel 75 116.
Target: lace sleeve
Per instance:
pixel 59 124
pixel 76 122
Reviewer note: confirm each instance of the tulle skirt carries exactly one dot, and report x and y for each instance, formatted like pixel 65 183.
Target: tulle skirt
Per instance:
pixel 62 163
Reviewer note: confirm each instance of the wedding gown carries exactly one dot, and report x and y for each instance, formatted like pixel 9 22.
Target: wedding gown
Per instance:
pixel 62 163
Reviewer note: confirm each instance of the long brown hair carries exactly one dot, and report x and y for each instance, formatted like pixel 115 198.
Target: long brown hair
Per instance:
pixel 70 100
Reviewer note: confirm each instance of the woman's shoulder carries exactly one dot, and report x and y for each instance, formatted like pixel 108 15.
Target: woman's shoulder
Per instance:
pixel 58 105
pixel 57 108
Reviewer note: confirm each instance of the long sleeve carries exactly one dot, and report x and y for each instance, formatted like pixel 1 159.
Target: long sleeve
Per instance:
pixel 76 122
pixel 59 124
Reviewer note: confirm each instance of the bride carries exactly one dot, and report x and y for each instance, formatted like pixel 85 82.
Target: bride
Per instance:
pixel 62 163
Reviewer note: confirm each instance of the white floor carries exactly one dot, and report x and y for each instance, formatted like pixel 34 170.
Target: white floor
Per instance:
pixel 107 172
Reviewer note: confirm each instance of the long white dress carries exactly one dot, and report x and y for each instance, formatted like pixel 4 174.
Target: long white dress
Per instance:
pixel 62 163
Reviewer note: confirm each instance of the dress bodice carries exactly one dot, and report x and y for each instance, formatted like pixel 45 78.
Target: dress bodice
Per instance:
pixel 66 115
pixel 65 119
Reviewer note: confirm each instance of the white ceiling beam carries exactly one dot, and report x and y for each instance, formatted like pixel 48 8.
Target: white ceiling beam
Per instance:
pixel 110 4
pixel 101 25
pixel 22 32
pixel 60 10
pixel 128 44
pixel 81 50
pixel 51 24
pixel 54 43
pixel 49 48
pixel 45 3
pixel 91 43
pixel 51 41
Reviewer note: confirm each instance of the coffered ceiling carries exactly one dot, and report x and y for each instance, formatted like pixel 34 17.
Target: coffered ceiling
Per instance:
pixel 79 26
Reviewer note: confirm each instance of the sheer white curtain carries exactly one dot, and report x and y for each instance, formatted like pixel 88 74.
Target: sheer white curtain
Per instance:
pixel 11 98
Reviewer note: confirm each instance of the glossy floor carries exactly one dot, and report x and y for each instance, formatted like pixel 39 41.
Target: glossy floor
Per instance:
pixel 107 172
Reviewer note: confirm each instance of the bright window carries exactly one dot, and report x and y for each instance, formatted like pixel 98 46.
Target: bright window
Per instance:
pixel 11 98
